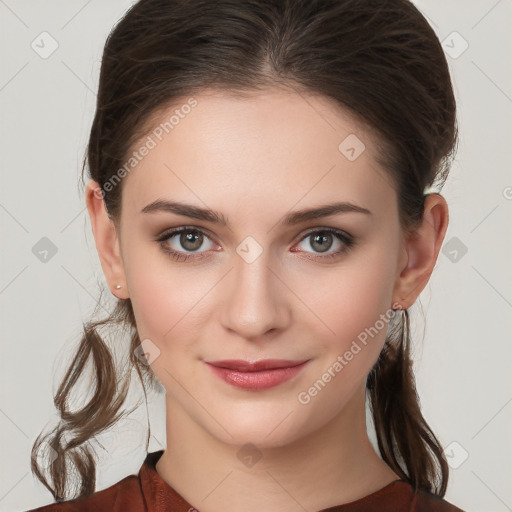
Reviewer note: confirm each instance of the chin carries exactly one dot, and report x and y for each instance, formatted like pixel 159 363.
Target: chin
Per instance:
pixel 265 430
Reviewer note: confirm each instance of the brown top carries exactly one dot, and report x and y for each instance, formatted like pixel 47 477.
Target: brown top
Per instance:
pixel 147 492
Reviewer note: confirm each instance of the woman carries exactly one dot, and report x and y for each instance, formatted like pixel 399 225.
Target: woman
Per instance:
pixel 259 177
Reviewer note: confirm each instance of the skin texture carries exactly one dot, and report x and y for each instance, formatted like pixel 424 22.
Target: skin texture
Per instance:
pixel 256 159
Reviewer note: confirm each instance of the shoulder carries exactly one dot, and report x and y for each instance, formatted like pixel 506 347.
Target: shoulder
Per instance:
pixel 427 502
pixel 124 496
pixel 398 496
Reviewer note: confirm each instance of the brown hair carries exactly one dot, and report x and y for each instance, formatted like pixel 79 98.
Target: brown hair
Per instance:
pixel 378 58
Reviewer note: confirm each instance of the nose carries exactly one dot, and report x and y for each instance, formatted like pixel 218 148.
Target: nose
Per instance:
pixel 256 302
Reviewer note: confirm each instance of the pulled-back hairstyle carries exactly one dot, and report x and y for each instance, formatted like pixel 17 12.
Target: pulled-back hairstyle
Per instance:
pixel 380 59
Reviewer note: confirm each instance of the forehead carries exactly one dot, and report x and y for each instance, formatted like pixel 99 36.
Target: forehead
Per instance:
pixel 272 146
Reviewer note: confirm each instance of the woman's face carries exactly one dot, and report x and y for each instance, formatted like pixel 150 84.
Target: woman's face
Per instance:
pixel 257 280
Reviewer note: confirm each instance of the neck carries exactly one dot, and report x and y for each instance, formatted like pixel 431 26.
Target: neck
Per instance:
pixel 331 466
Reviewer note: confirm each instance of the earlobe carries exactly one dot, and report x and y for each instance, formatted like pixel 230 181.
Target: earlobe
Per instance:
pixel 106 240
pixel 422 249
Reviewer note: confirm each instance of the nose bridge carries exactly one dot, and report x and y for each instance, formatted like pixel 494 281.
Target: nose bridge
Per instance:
pixel 256 302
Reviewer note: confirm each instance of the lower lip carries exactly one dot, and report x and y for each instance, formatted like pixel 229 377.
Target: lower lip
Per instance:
pixel 256 381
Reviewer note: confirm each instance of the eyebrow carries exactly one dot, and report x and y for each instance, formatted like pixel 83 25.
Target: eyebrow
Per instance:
pixel 290 219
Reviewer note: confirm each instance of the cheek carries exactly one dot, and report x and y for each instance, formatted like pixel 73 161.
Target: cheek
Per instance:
pixel 352 311
pixel 343 302
pixel 350 334
pixel 165 299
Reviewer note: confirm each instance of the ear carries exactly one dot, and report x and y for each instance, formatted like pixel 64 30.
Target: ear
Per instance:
pixel 107 240
pixel 421 248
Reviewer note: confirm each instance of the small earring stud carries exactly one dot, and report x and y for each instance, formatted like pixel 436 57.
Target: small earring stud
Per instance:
pixel 118 286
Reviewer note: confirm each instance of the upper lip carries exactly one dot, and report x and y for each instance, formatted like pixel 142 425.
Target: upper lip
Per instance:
pixel 263 364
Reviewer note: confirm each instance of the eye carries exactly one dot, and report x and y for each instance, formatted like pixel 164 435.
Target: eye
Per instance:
pixel 181 243
pixel 184 243
pixel 322 240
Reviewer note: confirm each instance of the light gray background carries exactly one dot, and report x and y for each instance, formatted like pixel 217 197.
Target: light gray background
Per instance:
pixel 47 105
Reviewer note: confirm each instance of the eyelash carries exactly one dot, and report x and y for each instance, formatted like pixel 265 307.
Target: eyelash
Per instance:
pixel 347 240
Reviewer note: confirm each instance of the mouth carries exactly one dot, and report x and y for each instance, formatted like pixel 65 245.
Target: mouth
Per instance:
pixel 257 375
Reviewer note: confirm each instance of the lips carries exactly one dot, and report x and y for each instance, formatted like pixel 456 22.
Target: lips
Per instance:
pixel 264 364
pixel 258 375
